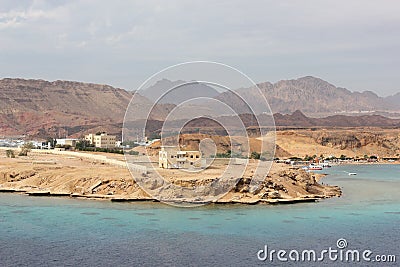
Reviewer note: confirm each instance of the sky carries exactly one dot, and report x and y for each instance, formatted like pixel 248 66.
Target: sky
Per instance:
pixel 353 44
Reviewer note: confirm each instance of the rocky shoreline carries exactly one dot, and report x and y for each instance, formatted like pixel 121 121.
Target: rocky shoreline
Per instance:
pixel 83 178
pixel 314 198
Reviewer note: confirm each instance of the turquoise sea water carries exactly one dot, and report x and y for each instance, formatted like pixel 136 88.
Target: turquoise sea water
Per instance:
pixel 68 232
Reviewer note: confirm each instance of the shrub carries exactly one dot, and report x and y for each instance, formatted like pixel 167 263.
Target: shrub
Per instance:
pixel 255 155
pixel 10 153
pixel 25 149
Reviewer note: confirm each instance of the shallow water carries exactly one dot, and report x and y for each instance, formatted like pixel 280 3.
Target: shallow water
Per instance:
pixel 60 231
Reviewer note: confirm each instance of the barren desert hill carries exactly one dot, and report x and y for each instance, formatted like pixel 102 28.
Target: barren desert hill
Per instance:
pixel 299 119
pixel 311 95
pixel 394 99
pixel 222 144
pixel 38 106
pixel 351 142
pixel 41 108
pixel 92 100
pixel 295 120
pixel 175 92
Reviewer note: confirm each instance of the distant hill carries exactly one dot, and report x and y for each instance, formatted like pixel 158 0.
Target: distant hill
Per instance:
pixel 312 96
pixel 176 92
pixel 38 107
pixel 298 119
pixel 394 100
pixel 295 120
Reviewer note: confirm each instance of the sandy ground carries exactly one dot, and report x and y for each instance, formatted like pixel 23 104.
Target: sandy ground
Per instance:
pixel 74 176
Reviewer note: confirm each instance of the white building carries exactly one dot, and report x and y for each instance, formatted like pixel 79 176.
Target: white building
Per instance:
pixel 170 157
pixel 66 142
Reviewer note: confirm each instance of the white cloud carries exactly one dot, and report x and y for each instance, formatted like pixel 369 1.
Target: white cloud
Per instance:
pixel 300 36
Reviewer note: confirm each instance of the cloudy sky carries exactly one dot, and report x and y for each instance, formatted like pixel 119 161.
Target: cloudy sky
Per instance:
pixel 353 43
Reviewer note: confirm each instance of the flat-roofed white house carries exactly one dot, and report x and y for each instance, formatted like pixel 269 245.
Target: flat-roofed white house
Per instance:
pixel 170 157
pixel 66 142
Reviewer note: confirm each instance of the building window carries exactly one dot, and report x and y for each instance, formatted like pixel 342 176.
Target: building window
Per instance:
pixel 197 156
pixel 191 156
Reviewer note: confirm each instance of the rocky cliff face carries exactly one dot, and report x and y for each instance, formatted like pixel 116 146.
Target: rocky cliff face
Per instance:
pixel 355 142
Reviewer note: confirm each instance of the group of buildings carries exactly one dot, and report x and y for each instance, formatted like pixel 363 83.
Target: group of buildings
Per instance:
pixel 170 157
pixel 99 140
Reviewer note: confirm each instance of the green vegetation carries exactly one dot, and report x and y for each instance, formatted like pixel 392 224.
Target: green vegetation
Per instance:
pixel 99 149
pixel 10 153
pixel 309 158
pixel 227 154
pixel 83 144
pixel 52 141
pixel 255 155
pixel 27 147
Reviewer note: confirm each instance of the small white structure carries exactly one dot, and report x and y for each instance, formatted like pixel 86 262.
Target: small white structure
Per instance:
pixel 66 142
pixel 170 157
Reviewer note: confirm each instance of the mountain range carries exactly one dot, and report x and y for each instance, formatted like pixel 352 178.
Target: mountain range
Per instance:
pixel 312 96
pixel 40 108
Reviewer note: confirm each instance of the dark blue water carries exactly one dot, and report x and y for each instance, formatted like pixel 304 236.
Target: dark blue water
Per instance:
pixel 36 231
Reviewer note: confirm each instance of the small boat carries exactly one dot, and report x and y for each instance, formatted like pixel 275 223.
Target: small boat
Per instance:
pixel 314 167
pixel 351 173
